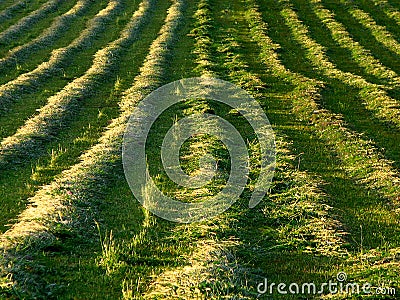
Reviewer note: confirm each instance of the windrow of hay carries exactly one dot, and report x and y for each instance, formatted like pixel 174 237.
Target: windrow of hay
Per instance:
pixel 51 117
pixel 349 145
pixel 374 96
pixel 360 55
pixel 316 229
pixel 47 37
pixel 389 10
pixel 363 162
pixel 65 202
pixel 8 12
pixel 10 91
pixel 203 41
pixel 379 32
pixel 213 272
pixel 17 29
pixel 212 269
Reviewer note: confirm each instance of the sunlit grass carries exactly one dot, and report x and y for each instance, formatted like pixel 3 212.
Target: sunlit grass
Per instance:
pixel 333 204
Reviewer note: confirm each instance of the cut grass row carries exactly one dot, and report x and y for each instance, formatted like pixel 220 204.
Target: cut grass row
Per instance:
pixel 60 24
pixel 202 278
pixel 7 4
pixel 211 286
pixel 10 13
pixel 378 31
pixel 362 56
pixel 27 22
pixel 59 58
pixel 133 263
pixel 129 263
pixel 377 12
pixel 363 160
pixel 61 111
pixel 338 95
pixel 36 30
pixel 214 271
pixel 203 44
pixel 389 10
pixel 375 98
pixel 14 198
pixel 369 169
pixel 87 175
pixel 316 230
pixel 28 98
pixel 369 39
pixel 161 287
pixel 189 277
pixel 6 12
pixel 303 97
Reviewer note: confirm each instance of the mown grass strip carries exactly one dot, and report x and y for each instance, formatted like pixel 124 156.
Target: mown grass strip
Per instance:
pixel 60 203
pixel 61 106
pixel 344 142
pixel 379 32
pixel 208 256
pixel 388 9
pixel 381 18
pixel 301 183
pixel 81 127
pixel 19 28
pixel 362 160
pixel 311 201
pixel 214 270
pixel 5 4
pixel 343 57
pixel 338 96
pixel 203 44
pixel 46 38
pixel 375 97
pixel 11 91
pixel 362 56
pixel 7 12
pixel 12 12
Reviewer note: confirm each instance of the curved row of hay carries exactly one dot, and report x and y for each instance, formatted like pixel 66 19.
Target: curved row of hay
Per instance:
pixel 350 145
pixel 59 107
pixel 306 216
pixel 17 29
pixel 7 12
pixel 59 57
pixel 47 37
pixel 59 204
pixel 376 99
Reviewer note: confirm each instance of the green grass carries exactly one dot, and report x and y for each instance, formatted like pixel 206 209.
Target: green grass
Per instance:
pixel 28 56
pixel 380 17
pixel 16 14
pixel 382 53
pixel 28 30
pixel 338 96
pixel 341 57
pixel 81 132
pixel 394 4
pixel 334 200
pixel 35 93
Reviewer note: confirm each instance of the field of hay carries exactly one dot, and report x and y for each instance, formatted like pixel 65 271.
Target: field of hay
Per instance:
pixel 325 72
